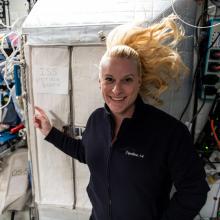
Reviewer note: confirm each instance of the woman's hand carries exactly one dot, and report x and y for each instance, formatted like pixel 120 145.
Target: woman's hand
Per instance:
pixel 41 121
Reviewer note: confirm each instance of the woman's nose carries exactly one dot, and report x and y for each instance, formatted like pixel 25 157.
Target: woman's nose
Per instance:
pixel 117 89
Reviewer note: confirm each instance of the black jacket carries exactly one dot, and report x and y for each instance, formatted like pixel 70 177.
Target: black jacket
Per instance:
pixel 132 179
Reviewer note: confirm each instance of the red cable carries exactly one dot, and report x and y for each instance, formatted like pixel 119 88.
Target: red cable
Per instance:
pixel 214 133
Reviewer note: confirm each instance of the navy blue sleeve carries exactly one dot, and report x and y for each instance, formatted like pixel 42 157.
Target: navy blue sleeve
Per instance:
pixel 68 145
pixel 188 176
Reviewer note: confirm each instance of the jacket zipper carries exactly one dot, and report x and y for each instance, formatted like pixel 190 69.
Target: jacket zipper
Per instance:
pixel 109 188
pixel 108 167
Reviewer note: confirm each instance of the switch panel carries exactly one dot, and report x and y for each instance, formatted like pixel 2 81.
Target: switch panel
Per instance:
pixel 210 82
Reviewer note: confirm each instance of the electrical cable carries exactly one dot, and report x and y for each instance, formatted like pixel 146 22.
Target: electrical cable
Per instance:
pixel 8 64
pixel 195 76
pixel 197 24
pixel 195 102
pixel 205 13
pixel 197 81
pixel 195 73
pixel 191 92
pixel 199 110
pixel 188 24
pixel 214 133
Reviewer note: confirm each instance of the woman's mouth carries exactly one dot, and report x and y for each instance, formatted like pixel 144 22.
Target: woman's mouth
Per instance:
pixel 117 98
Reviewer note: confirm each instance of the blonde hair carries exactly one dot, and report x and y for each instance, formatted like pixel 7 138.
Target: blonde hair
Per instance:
pixel 154 50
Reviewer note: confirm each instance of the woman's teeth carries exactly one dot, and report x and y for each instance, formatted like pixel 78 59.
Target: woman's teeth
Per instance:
pixel 118 99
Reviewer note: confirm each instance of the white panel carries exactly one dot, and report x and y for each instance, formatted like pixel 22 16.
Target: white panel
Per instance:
pixel 86 92
pixel 52 22
pixel 49 13
pixel 54 169
pixel 86 98
pixel 31 136
pixel 54 213
pixel 14 180
pixel 82 179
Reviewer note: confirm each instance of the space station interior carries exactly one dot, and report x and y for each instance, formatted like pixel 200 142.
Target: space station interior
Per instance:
pixel 49 57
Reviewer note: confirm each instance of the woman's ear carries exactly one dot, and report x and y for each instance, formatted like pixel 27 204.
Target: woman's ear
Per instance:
pixel 99 83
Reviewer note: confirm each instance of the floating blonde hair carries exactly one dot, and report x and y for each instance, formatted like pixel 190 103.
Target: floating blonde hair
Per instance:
pixel 154 50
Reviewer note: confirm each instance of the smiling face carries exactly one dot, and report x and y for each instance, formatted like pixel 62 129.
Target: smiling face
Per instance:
pixel 119 82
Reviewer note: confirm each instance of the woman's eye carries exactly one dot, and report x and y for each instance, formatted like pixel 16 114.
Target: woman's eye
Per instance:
pixel 108 79
pixel 128 80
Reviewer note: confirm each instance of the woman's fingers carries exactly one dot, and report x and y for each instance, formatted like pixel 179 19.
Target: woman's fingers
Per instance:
pixel 37 125
pixel 41 111
pixel 41 121
pixel 39 118
pixel 37 121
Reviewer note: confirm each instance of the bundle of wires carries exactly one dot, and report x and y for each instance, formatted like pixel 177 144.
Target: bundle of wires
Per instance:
pixel 214 120
pixel 214 130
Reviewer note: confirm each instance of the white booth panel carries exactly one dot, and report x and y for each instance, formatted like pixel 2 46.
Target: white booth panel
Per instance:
pixel 52 169
pixel 85 75
pixel 14 181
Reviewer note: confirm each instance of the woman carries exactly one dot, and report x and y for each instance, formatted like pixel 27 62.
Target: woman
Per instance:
pixel 134 151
